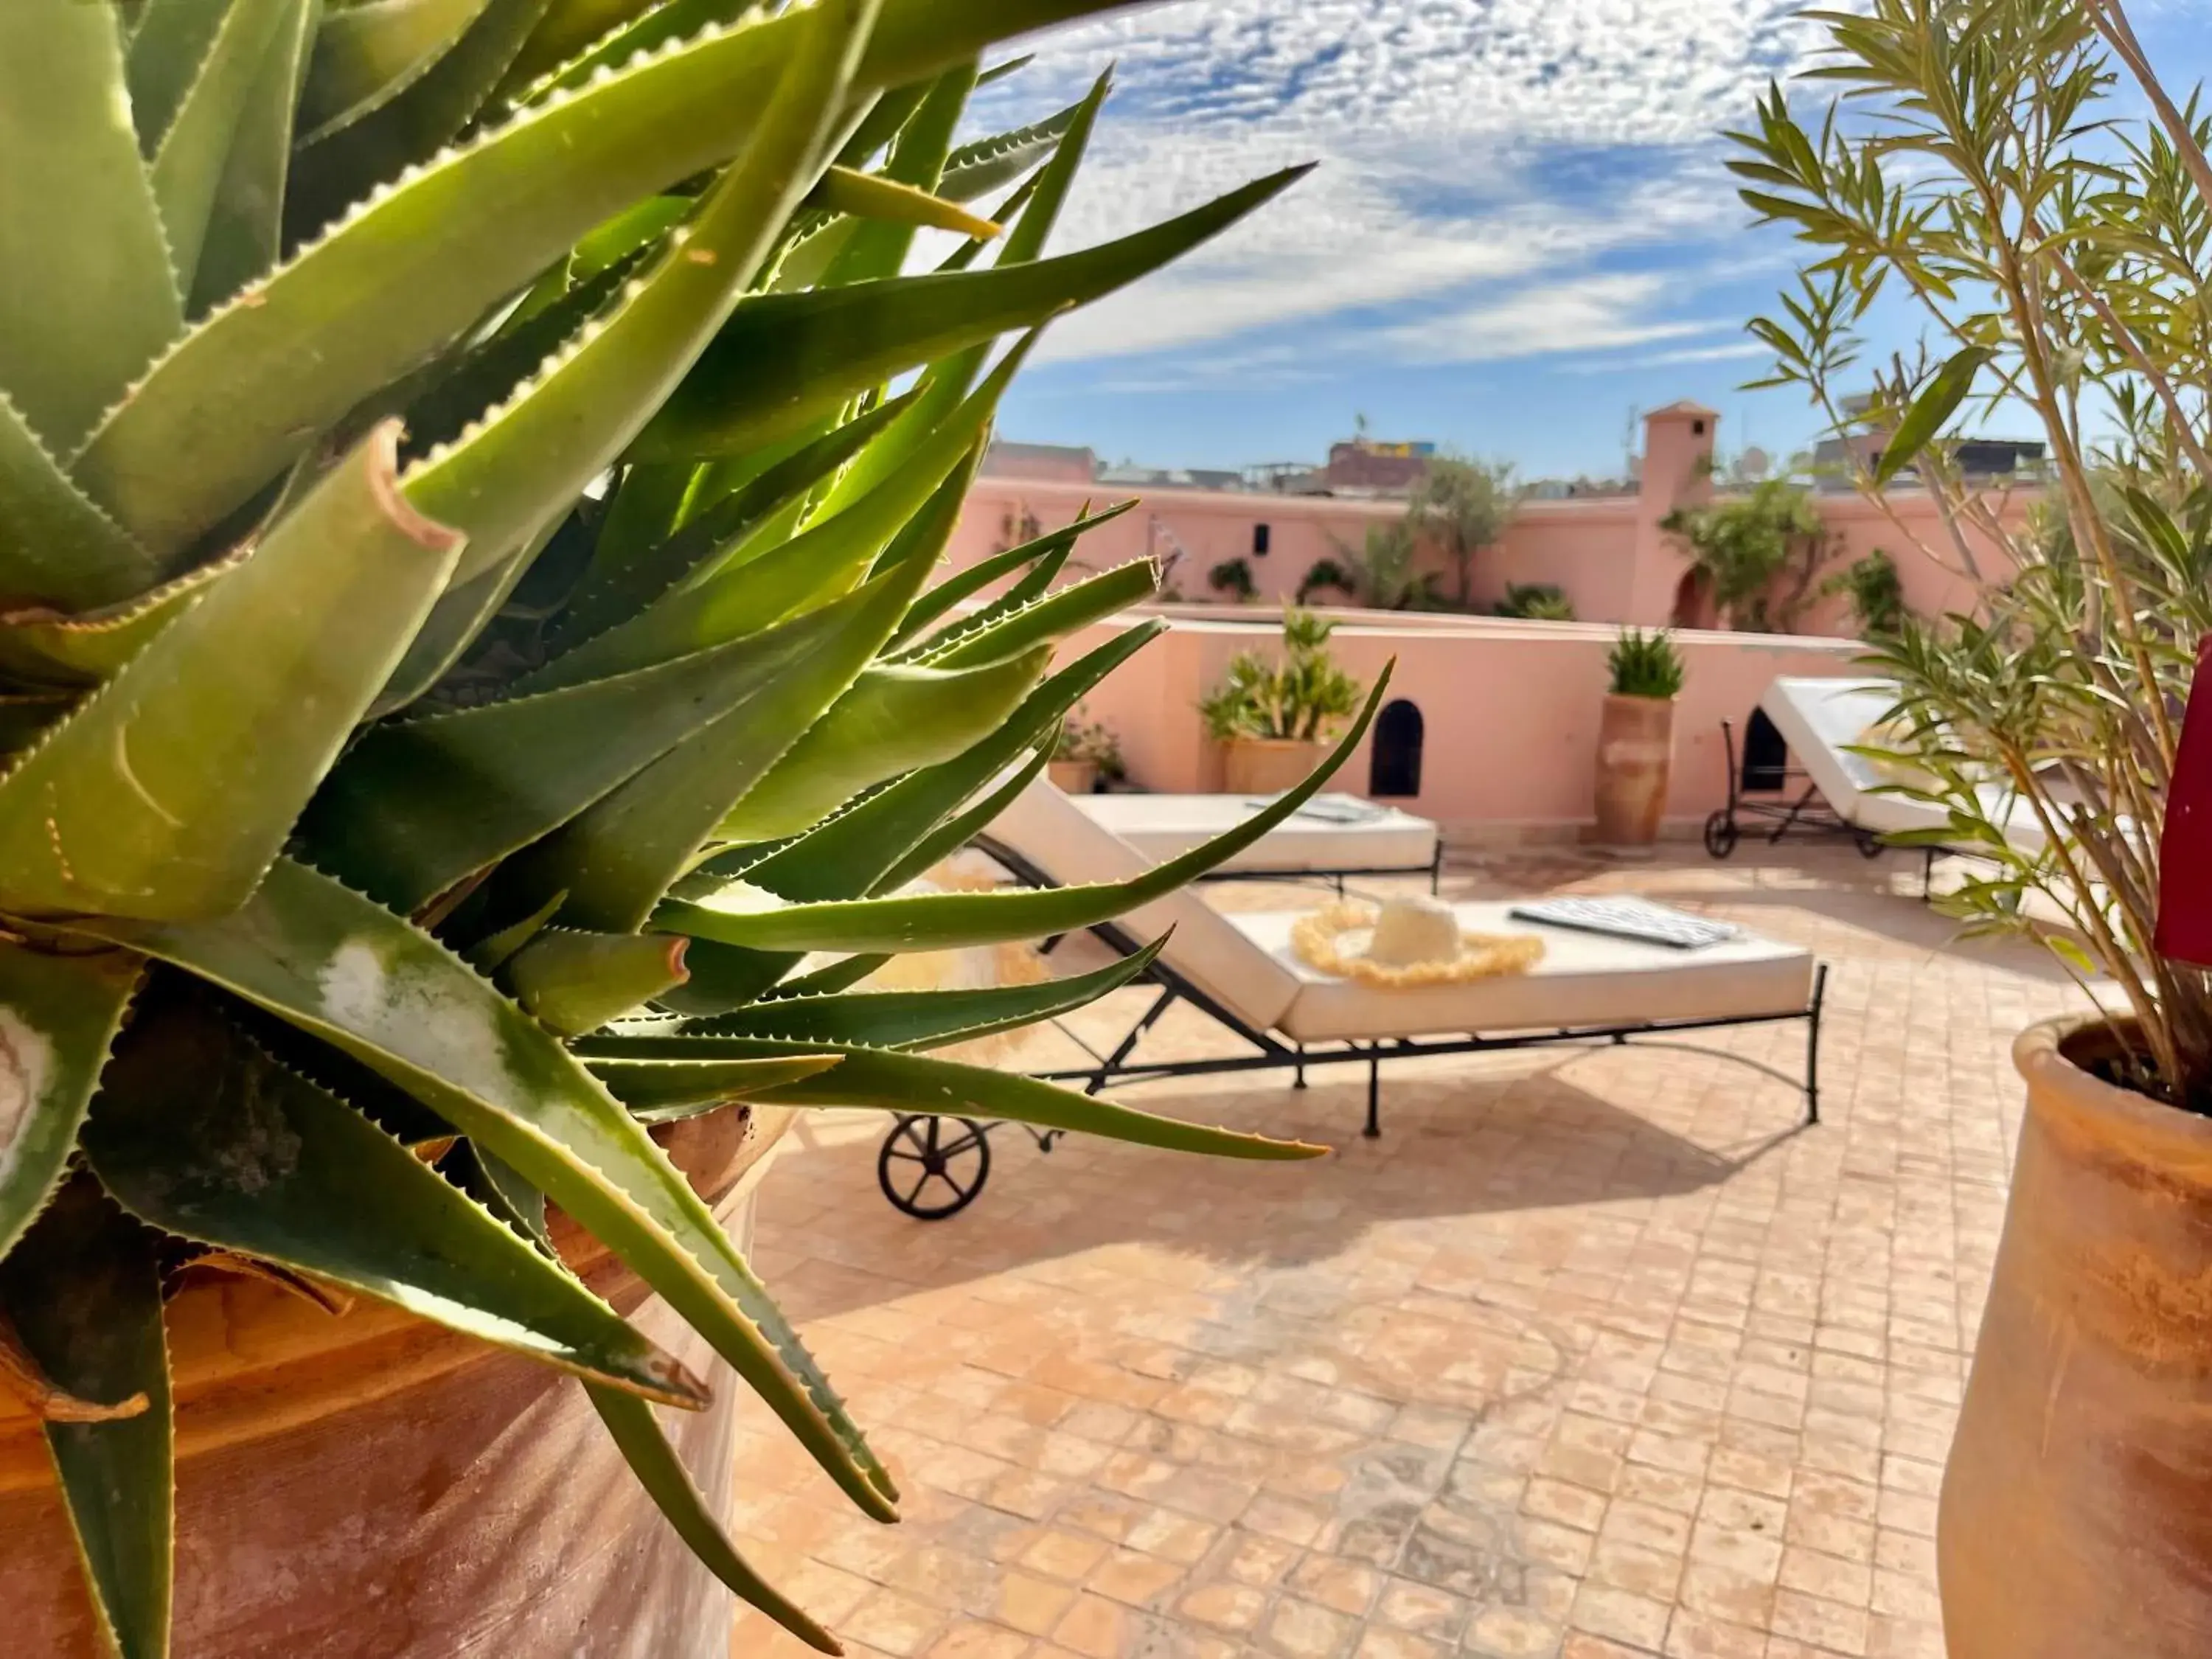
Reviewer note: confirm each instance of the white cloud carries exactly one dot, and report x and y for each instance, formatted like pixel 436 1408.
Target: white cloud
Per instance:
pixel 1713 354
pixel 1466 145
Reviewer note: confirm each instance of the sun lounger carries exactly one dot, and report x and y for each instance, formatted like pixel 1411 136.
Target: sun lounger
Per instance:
pixel 1239 970
pixel 1331 836
pixel 1823 721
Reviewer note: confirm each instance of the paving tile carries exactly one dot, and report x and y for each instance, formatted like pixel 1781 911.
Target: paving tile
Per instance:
pixel 1591 1356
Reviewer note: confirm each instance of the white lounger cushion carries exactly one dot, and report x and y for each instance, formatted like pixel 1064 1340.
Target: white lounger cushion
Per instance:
pixel 1822 719
pixel 1330 832
pixel 1045 827
pixel 1583 979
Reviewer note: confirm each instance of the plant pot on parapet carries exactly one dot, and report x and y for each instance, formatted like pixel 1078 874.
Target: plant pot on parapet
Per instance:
pixel 1273 714
pixel 1636 738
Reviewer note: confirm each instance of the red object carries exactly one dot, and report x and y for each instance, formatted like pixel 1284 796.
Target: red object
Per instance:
pixel 2184 850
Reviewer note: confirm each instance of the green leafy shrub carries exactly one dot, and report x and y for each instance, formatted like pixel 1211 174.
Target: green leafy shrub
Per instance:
pixel 1645 665
pixel 469 585
pixel 1302 695
pixel 1233 577
pixel 1760 552
pixel 1326 576
pixel 1875 592
pixel 1536 601
pixel 1082 738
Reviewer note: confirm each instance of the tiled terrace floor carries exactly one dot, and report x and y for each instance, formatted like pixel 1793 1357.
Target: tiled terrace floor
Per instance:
pixel 1594 1354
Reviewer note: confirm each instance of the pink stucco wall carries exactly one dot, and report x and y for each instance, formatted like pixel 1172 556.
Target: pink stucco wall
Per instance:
pixel 1608 554
pixel 1510 708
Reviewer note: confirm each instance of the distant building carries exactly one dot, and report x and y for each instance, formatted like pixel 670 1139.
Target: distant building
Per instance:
pixel 1982 458
pixel 1364 466
pixel 1043 462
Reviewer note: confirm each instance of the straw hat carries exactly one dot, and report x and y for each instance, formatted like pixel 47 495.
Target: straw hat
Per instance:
pixel 1409 942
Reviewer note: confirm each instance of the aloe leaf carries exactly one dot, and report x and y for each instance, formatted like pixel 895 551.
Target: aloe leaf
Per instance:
pixel 349 159
pixel 486 375
pixel 915 39
pixel 646 1448
pixel 568 425
pixel 575 982
pixel 566 30
pixel 56 547
pixel 173 789
pixel 166 46
pixel 894 719
pixel 226 409
pixel 911 1082
pixel 849 855
pixel 904 1019
pixel 617 858
pixel 870 196
pixel 979 168
pixel 246 217
pixel 827 559
pixel 87 302
pixel 47 647
pixel 199 1133
pixel 892 110
pixel 337 965
pixel 785 359
pixel 898 833
pixel 416 804
pixel 967 583
pixel 994 637
pixel 369 53
pixel 750 915
pixel 57 1016
pixel 463 612
pixel 615 590
pixel 928 533
pixel 187 169
pixel 916 158
pixel 83 1290
pixel 949 377
pixel 489 953
pixel 666 1090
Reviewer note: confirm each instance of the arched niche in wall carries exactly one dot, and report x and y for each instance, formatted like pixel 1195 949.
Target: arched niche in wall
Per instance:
pixel 1394 764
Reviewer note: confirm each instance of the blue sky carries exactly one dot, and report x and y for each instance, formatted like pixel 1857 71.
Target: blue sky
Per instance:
pixel 1520 231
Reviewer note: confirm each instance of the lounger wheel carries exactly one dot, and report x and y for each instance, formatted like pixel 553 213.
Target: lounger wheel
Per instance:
pixel 1870 844
pixel 1721 835
pixel 932 1167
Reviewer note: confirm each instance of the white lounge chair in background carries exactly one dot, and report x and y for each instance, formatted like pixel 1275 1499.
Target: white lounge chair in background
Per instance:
pixel 1332 837
pixel 1824 721
pixel 1239 970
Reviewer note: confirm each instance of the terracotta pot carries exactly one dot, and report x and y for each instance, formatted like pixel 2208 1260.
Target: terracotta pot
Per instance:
pixel 1635 752
pixel 1072 777
pixel 1267 766
pixel 373 1484
pixel 2077 1512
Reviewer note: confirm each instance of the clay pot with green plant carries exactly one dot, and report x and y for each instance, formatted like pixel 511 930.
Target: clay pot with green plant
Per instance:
pixel 1636 738
pixel 1086 752
pixel 457 536
pixel 2053 237
pixel 1272 715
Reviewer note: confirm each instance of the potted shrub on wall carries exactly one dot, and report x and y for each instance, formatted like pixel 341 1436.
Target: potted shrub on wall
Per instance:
pixel 1086 752
pixel 1274 715
pixel 2054 242
pixel 1636 737
pixel 437 759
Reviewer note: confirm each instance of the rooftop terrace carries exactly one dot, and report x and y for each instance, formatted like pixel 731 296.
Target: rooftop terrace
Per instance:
pixel 1594 1355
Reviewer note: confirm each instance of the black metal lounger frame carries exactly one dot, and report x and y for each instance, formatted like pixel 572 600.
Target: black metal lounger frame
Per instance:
pixel 961 1164
pixel 1809 810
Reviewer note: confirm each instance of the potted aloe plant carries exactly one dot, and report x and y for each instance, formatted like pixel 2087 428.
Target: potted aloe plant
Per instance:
pixel 473 688
pixel 2054 242
pixel 1274 715
pixel 1636 737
